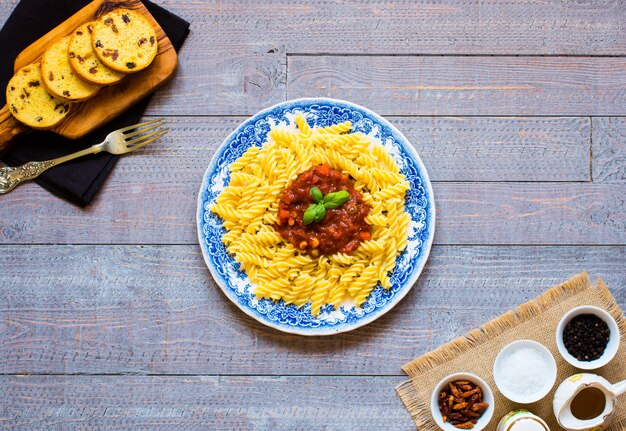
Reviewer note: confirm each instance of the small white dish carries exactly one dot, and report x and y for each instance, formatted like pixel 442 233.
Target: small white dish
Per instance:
pixel 548 381
pixel 483 421
pixel 611 348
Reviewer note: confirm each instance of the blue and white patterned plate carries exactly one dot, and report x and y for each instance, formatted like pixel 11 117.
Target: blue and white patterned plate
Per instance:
pixel 288 318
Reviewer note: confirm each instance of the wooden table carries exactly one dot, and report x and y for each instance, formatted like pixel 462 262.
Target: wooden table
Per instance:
pixel 109 318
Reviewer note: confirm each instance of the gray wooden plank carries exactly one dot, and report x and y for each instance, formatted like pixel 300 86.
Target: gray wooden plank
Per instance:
pixel 156 309
pixel 527 213
pixel 136 209
pixel 483 85
pixel 382 27
pixel 425 27
pixel 6 7
pixel 221 83
pixel 609 150
pixel 201 403
pixel 235 59
pixel 500 149
pixel 452 148
pixel 150 197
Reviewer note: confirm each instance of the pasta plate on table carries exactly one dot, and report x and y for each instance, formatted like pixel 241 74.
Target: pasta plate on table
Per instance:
pixel 315 216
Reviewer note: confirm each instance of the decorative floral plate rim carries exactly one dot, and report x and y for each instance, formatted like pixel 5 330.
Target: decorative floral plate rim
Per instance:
pixel 288 318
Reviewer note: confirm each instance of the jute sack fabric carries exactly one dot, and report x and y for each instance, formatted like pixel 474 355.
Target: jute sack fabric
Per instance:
pixel 536 320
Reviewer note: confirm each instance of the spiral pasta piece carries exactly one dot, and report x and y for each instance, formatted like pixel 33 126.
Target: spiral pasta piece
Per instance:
pixel 303 126
pixel 336 128
pixel 249 207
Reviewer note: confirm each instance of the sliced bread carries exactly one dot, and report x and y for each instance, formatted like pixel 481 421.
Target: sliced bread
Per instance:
pixel 59 77
pixel 124 41
pixel 84 61
pixel 29 101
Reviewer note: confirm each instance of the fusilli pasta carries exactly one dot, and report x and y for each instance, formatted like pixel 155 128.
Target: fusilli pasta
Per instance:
pixel 249 207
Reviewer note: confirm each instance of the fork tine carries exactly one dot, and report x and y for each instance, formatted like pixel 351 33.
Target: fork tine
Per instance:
pixel 139 139
pixel 135 126
pixel 142 130
pixel 143 141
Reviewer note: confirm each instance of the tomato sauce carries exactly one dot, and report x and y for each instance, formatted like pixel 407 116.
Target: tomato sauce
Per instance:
pixel 343 228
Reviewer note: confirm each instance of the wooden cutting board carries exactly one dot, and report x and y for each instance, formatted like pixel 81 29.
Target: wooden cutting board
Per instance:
pixel 111 100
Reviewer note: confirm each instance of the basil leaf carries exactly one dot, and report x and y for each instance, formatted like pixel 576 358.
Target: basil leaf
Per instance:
pixel 310 214
pixel 316 212
pixel 316 194
pixel 336 199
pixel 320 213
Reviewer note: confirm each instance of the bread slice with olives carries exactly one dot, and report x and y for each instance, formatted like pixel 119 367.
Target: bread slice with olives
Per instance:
pixel 124 41
pixel 30 103
pixel 59 77
pixel 84 60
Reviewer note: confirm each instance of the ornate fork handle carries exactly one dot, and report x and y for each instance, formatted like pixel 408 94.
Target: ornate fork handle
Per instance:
pixel 11 177
pixel 120 141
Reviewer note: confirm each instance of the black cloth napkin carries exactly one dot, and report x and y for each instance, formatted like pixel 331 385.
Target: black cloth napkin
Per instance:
pixel 77 181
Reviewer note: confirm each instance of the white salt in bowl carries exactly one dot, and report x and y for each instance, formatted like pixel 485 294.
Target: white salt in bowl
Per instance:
pixel 483 421
pixel 524 371
pixel 611 347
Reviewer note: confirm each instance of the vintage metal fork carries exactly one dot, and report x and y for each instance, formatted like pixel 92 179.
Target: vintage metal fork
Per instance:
pixel 120 141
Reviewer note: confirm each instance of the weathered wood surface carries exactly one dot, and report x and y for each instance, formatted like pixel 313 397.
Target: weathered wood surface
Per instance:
pixel 497 149
pixel 509 213
pixel 235 61
pixel 162 210
pixel 529 190
pixel 222 83
pixel 156 309
pixel 483 85
pixel 455 27
pixel 201 403
pixel 500 149
pixel 235 84
pixel 609 150
pixel 411 27
pixel 6 7
pixel 155 193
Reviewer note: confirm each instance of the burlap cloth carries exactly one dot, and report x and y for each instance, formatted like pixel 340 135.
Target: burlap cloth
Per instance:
pixel 536 320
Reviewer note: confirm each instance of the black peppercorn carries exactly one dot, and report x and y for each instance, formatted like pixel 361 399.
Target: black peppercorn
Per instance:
pixel 586 336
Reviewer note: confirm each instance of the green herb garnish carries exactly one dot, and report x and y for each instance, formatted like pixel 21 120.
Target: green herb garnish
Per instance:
pixel 316 212
pixel 316 194
pixel 336 199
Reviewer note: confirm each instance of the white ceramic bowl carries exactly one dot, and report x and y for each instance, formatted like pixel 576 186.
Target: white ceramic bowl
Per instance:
pixel 611 348
pixel 548 382
pixel 483 421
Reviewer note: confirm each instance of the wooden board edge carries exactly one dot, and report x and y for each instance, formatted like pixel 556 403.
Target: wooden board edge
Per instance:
pixel 9 128
pixel 24 59
pixel 166 58
pixel 61 130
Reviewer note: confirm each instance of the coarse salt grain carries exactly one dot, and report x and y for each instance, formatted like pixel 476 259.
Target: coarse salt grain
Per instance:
pixel 524 371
